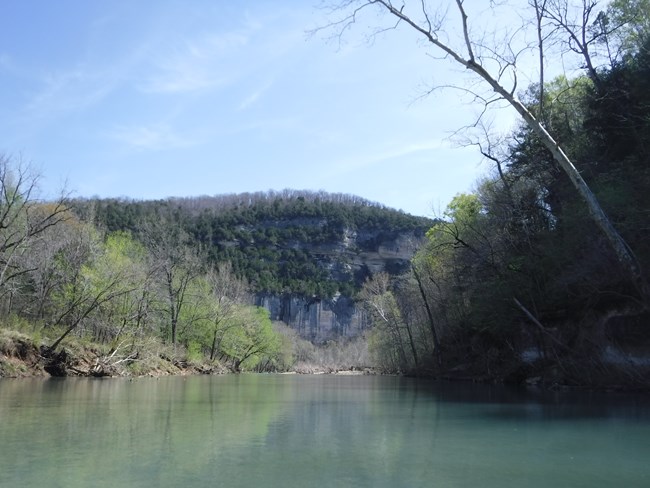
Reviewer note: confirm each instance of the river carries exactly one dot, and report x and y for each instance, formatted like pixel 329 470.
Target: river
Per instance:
pixel 316 431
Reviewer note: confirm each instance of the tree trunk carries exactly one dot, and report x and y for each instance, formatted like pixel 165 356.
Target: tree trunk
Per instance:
pixel 213 348
pixel 624 254
pixel 414 351
pixel 173 312
pixel 432 325
pixel 63 336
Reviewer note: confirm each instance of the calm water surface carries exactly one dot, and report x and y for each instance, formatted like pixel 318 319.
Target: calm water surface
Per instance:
pixel 315 431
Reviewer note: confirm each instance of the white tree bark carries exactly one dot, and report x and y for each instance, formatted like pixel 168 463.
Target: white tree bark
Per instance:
pixel 429 28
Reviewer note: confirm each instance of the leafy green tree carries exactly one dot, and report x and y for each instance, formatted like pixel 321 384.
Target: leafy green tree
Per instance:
pixel 175 267
pixel 252 339
pixel 228 295
pixel 196 314
pixel 129 313
pixel 90 282
pixel 624 28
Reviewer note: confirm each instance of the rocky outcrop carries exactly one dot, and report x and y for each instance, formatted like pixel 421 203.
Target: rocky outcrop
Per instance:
pixel 360 254
pixel 306 254
pixel 318 320
pixel 363 254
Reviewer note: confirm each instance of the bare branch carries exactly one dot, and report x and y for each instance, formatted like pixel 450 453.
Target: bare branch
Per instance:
pixel 580 41
pixel 468 44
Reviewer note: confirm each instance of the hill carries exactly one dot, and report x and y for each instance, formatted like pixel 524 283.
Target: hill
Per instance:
pixel 305 254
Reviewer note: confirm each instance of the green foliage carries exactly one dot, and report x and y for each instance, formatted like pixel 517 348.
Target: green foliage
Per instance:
pixel 252 339
pixel 278 242
pixel 463 209
pixel 628 25
pixel 519 263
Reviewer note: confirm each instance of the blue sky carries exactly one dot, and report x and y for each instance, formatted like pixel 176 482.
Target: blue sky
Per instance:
pixel 150 99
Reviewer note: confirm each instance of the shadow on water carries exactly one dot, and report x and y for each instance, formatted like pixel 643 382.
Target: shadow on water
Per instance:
pixel 511 401
pixel 316 431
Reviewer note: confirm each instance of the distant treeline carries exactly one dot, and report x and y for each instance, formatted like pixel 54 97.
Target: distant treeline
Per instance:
pixel 137 282
pixel 281 242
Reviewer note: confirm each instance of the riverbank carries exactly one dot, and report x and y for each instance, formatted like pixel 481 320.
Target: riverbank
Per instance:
pixel 22 356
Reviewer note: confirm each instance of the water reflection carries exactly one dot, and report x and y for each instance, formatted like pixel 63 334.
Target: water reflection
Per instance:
pixel 538 403
pixel 266 430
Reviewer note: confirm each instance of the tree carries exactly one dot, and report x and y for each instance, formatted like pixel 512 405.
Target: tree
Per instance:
pixel 90 281
pixel 496 66
pixel 175 265
pixel 228 294
pixel 626 28
pixel 128 313
pixel 252 339
pixel 393 337
pixel 23 219
pixel 43 276
pixel 195 315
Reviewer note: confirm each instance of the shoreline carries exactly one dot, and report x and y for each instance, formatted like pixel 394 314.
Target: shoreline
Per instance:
pixel 21 357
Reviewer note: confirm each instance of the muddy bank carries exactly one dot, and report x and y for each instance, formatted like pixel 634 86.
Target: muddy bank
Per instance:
pixel 21 357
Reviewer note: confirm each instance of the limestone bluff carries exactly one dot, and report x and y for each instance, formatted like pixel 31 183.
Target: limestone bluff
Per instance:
pixel 305 254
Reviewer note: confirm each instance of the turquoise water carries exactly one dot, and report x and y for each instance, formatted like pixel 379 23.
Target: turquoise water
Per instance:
pixel 315 431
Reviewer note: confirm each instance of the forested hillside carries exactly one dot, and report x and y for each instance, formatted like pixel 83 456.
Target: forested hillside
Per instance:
pixel 299 242
pixel 154 285
pixel 520 282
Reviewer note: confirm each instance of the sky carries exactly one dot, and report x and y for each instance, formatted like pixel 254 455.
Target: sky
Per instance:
pixel 153 99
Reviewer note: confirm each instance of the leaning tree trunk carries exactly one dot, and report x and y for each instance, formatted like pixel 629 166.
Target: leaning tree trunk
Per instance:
pixel 624 254
pixel 432 324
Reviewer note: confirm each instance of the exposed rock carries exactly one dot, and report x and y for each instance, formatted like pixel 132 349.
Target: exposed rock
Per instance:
pixel 297 249
pixel 316 319
pixel 359 253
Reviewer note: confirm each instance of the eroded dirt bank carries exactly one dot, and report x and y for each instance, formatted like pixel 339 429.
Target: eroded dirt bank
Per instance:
pixel 21 357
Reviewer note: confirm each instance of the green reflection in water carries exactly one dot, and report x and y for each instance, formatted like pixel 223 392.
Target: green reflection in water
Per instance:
pixel 314 431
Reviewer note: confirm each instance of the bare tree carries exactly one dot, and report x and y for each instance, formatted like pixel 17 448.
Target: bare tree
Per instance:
pixel 23 218
pixel 175 265
pixel 385 313
pixel 44 262
pixel 495 66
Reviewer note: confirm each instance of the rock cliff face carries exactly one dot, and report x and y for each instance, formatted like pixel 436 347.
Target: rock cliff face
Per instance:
pixel 318 320
pixel 359 253
pixel 365 251
pixel 305 254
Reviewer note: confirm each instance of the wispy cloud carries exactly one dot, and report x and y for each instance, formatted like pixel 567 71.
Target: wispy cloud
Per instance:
pixel 68 91
pixel 152 138
pixel 351 164
pixel 255 96
pixel 196 64
pixel 182 77
pixel 80 86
